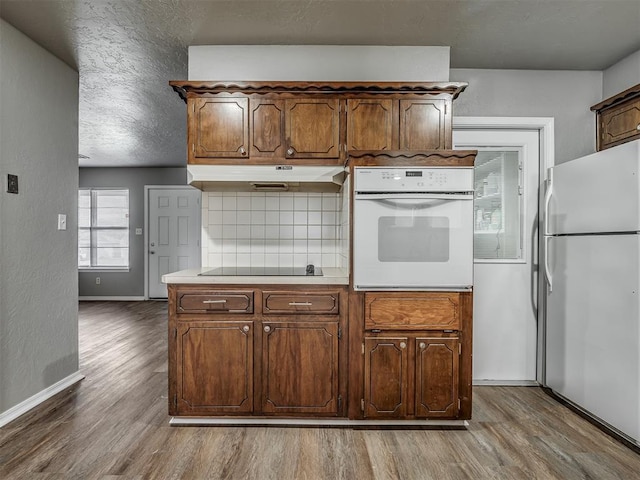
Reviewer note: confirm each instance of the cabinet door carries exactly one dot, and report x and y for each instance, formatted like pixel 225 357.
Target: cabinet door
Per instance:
pixel 300 367
pixel 215 367
pixel 267 128
pixel 312 128
pixel 619 124
pixel 385 377
pixel 437 373
pixel 370 124
pixel 218 127
pixel 424 125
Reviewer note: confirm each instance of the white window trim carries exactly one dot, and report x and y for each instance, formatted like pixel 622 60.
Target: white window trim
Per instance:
pixel 104 268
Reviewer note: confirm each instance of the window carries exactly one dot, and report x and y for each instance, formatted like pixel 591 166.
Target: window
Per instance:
pixel 498 205
pixel 103 228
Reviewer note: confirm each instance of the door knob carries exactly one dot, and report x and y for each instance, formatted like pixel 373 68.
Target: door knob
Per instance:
pixel 152 252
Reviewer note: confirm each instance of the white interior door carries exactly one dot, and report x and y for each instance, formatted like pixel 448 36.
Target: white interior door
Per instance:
pixel 173 240
pixel 505 253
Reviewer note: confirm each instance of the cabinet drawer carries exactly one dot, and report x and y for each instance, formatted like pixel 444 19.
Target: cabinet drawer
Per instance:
pixel 412 311
pixel 215 302
pixel 300 303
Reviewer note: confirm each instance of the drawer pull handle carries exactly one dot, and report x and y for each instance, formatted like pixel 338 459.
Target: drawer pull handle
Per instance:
pixel 214 301
pixel 300 304
pixel 245 328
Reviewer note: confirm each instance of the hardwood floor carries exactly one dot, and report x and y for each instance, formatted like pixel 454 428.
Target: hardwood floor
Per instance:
pixel 114 425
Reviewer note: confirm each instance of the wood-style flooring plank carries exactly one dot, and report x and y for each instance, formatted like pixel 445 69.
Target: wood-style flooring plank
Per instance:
pixel 114 425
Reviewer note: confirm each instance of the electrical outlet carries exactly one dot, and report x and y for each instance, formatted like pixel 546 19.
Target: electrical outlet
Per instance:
pixel 97 280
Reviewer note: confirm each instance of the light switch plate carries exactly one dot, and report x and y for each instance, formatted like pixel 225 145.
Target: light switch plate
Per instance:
pixel 62 221
pixel 12 183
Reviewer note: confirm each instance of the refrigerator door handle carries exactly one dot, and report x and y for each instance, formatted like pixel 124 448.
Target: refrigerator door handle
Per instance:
pixel 547 270
pixel 547 200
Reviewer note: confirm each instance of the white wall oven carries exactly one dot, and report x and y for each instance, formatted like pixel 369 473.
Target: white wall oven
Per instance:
pixel 413 228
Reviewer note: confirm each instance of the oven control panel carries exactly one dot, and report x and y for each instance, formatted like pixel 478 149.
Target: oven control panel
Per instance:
pixel 408 179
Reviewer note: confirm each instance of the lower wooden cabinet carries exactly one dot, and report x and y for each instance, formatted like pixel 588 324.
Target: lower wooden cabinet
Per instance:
pixel 385 372
pixel 300 367
pixel 215 367
pixel 277 356
pixel 411 376
pixel 437 363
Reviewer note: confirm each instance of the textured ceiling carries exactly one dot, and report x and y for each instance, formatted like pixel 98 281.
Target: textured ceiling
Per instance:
pixel 127 50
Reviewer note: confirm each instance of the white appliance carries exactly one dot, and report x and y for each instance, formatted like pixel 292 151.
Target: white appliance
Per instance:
pixel 592 267
pixel 413 228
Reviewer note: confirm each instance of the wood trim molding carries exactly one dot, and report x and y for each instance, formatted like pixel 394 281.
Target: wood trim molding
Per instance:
pixel 196 88
pixel 618 98
pixel 413 158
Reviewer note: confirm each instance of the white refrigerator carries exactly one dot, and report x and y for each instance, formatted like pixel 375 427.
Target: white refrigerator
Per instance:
pixel 592 269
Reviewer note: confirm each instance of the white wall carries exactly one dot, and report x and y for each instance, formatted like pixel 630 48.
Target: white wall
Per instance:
pixel 622 75
pixel 38 263
pixel 318 63
pixel 564 95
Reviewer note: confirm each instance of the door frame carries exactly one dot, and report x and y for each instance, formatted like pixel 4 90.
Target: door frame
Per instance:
pixel 545 128
pixel 147 188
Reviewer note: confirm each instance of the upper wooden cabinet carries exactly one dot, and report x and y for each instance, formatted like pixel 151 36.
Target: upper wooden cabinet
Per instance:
pixel 218 128
pixel 424 125
pixel 312 127
pixel 618 118
pixel 302 122
pixel 370 124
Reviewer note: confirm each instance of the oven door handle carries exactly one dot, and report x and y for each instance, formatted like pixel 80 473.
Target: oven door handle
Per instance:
pixel 413 196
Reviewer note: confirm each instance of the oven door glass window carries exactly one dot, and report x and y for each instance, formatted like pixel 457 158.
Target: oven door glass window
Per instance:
pixel 413 239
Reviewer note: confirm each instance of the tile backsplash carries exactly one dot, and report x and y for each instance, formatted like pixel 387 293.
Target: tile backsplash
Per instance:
pixel 273 229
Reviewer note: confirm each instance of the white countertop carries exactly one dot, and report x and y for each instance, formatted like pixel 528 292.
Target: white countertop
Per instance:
pixel 330 276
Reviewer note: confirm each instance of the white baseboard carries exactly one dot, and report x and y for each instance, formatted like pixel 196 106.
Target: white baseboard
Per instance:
pixel 506 383
pixel 111 299
pixel 312 422
pixel 35 400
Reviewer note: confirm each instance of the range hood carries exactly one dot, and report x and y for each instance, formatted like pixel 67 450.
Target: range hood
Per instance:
pixel 266 178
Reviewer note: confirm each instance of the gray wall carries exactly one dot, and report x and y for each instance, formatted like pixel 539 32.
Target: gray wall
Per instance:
pixel 564 95
pixel 38 263
pixel 131 283
pixel 622 75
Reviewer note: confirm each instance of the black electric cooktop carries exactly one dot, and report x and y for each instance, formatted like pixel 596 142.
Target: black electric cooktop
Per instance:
pixel 309 270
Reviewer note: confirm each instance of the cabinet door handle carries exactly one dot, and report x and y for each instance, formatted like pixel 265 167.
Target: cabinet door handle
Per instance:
pixel 403 345
pixel 300 304
pixel 267 328
pixel 242 151
pixel 422 345
pixel 290 151
pixel 245 328
pixel 638 127
pixel 214 301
